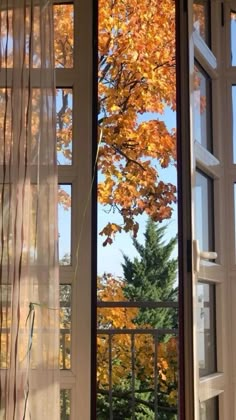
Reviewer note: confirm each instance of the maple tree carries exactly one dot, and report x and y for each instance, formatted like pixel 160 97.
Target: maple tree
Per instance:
pixel 136 81
pixel 136 76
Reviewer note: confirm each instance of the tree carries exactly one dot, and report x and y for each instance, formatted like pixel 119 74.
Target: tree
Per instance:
pixel 152 276
pixel 136 81
pixel 136 75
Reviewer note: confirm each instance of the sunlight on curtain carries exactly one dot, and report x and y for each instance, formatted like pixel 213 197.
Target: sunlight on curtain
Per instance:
pixel 29 326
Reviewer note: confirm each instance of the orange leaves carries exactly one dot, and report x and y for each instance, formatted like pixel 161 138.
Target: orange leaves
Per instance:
pixel 64 198
pixel 136 75
pixel 140 47
pixel 111 290
pixel 63 35
pixel 168 368
pixel 138 192
pixel 109 231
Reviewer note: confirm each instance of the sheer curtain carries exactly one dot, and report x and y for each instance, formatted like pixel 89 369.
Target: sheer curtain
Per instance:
pixel 29 307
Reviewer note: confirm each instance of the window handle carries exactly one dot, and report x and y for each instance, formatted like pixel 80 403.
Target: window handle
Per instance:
pixel 201 255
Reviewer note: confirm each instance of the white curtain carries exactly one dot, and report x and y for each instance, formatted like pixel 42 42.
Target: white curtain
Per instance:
pixel 29 307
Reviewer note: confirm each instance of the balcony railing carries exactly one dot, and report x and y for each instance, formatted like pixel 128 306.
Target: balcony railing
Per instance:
pixel 137 366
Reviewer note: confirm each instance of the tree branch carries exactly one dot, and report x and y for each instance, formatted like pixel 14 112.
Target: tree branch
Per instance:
pixel 118 150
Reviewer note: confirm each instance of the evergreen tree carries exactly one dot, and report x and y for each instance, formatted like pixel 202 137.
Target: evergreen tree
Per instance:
pixel 152 276
pixel 149 277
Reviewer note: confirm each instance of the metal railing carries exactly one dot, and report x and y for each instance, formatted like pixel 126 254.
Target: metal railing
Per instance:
pixel 148 386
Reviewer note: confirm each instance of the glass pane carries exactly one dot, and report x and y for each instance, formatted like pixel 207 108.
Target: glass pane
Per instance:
pixel 137 254
pixel 235 216
pixel 5 125
pixel 64 35
pixel 233 37
pixel 234 121
pixel 64 223
pixel 5 293
pixel 65 402
pixel 206 328
pixel 6 34
pixel 65 326
pixel 202 108
pixel 5 225
pixel 204 211
pixel 64 106
pixel 30 42
pixel 209 409
pixel 201 19
pixel 34 109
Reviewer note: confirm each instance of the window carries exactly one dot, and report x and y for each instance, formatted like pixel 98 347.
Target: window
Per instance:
pixel 140 342
pixel 213 179
pixel 212 101
pixel 209 157
pixel 73 61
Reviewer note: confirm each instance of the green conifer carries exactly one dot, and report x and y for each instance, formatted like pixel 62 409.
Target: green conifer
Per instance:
pixel 152 276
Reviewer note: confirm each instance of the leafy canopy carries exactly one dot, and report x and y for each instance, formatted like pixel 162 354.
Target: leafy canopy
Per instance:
pixel 136 82
pixel 136 76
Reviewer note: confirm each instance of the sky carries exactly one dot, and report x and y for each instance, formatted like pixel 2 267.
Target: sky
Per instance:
pixel 110 257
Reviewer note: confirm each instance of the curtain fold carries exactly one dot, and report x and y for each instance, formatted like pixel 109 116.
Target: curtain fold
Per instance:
pixel 29 290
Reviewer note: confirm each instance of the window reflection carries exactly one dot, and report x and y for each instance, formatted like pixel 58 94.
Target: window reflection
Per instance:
pixel 201 19
pixel 234 121
pixel 5 326
pixel 209 409
pixel 235 212
pixel 65 326
pixel 206 328
pixel 202 108
pixel 233 37
pixel 204 211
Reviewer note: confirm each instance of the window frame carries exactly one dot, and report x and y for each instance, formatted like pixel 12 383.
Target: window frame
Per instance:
pixel 211 164
pixel 78 379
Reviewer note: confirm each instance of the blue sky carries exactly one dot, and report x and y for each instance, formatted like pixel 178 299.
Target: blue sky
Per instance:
pixel 110 257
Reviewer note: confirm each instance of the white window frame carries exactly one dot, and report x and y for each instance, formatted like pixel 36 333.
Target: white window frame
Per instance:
pixel 213 164
pixel 79 175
